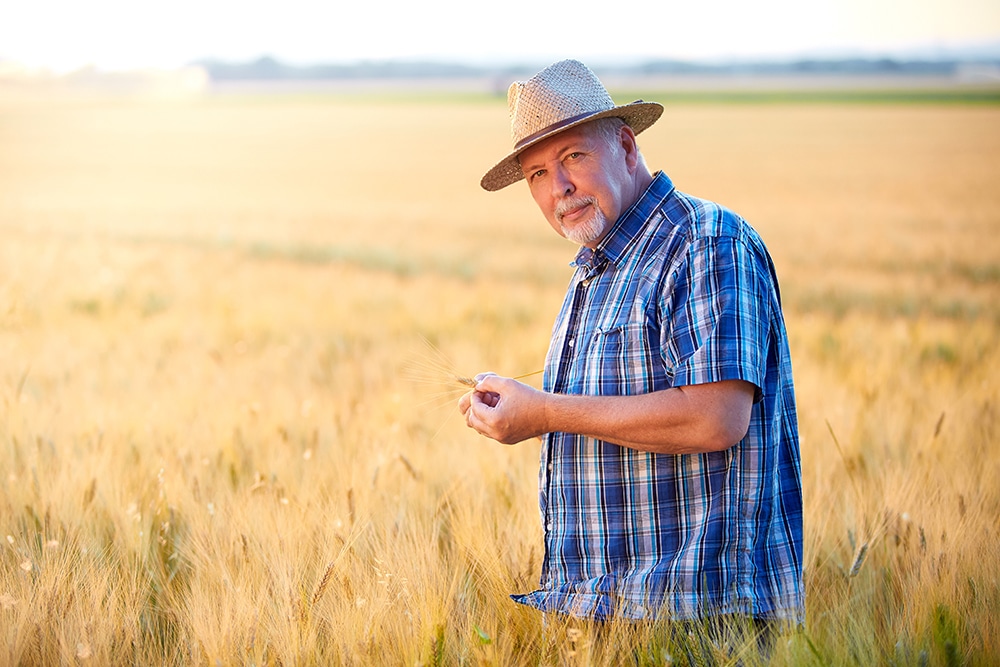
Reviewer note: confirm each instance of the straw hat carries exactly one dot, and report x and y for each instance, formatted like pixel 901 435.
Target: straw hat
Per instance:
pixel 559 97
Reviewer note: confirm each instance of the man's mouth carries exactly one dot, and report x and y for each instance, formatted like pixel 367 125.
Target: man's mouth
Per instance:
pixel 574 212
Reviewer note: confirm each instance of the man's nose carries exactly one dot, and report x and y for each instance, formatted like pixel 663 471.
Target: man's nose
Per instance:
pixel 562 186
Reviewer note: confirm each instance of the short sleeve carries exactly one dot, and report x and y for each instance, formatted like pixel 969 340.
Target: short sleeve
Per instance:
pixel 716 315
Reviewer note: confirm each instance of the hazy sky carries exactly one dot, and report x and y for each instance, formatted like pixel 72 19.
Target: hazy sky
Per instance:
pixel 117 34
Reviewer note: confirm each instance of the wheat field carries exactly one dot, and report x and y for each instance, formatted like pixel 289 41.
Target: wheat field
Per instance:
pixel 227 325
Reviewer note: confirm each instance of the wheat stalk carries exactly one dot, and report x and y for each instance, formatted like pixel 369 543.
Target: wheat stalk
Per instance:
pixel 323 583
pixel 436 369
pixel 859 560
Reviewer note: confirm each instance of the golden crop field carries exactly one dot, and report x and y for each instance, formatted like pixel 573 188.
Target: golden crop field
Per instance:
pixel 213 448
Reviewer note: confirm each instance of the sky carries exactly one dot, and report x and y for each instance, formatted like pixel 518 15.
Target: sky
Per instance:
pixel 63 35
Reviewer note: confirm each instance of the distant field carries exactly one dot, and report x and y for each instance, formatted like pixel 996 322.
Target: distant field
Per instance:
pixel 213 449
pixel 829 89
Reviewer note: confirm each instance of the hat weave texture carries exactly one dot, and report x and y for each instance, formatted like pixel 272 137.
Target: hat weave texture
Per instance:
pixel 559 97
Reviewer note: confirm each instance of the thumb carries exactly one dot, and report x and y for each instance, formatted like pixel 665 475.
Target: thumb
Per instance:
pixel 488 382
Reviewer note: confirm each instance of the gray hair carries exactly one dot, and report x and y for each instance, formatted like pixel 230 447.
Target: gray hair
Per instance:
pixel 608 130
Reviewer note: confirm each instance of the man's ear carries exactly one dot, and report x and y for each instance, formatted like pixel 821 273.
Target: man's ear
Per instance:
pixel 627 137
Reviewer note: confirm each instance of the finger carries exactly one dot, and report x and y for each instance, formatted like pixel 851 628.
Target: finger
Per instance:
pixel 465 402
pixel 487 399
pixel 489 382
pixel 475 422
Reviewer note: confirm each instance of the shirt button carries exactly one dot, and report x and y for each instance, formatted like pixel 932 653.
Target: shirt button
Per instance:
pixel 572 341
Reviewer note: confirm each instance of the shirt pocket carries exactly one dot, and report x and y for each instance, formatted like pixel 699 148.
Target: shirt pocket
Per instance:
pixel 626 359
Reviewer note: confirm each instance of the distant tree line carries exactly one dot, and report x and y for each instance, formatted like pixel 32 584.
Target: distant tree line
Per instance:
pixel 270 69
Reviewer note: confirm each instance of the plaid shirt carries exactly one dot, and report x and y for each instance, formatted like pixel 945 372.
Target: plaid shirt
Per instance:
pixel 680 292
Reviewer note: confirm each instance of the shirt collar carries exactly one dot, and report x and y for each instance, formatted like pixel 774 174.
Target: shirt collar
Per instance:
pixel 624 231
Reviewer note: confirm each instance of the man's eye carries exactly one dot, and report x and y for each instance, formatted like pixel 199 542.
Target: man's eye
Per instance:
pixel 574 155
pixel 538 174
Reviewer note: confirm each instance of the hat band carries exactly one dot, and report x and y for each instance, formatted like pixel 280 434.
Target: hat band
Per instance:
pixel 554 128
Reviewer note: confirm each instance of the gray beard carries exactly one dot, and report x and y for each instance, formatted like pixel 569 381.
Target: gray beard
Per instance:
pixel 585 232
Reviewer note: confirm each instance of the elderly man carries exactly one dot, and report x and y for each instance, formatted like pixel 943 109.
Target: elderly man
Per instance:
pixel 670 483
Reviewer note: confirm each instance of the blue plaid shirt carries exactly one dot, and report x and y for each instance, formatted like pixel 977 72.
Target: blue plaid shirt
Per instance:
pixel 680 292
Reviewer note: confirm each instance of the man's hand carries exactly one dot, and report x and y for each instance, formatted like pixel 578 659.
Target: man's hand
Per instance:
pixel 504 409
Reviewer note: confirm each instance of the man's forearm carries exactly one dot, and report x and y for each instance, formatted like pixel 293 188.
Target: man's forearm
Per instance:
pixel 696 418
pixel 683 420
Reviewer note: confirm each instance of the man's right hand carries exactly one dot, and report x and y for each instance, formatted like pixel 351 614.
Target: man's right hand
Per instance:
pixel 503 409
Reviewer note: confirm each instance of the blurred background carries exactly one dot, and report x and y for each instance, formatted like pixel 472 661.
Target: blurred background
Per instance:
pixel 188 46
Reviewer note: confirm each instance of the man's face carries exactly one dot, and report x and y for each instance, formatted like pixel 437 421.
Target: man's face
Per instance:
pixel 580 181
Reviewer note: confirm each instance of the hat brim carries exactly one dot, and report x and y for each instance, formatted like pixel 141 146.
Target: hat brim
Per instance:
pixel 639 115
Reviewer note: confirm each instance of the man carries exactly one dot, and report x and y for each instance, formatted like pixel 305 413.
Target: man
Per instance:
pixel 670 483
